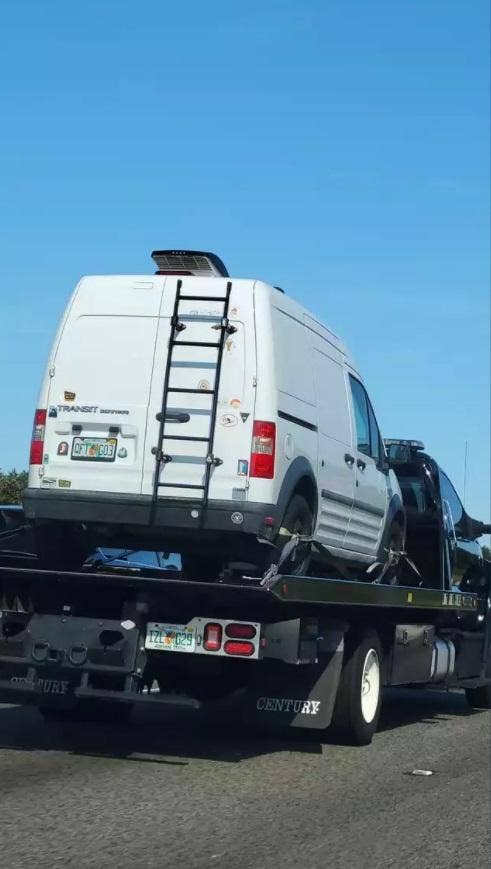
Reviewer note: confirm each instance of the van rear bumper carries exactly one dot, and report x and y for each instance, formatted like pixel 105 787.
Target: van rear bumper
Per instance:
pixel 115 509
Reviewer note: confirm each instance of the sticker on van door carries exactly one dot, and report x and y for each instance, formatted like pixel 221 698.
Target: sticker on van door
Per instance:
pixel 228 419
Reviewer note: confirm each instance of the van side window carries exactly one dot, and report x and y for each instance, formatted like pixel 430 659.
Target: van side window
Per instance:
pixel 374 435
pixel 361 416
pixel 449 494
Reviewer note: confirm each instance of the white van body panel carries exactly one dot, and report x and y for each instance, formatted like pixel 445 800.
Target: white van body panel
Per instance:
pixel 104 358
pixel 105 379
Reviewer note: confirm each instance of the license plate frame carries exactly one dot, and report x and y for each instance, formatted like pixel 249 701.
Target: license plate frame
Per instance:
pixel 79 442
pixel 166 637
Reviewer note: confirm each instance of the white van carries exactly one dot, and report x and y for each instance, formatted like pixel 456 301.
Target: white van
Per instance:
pixel 194 412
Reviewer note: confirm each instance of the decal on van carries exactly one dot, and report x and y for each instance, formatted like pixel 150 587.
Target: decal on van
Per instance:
pixel 227 420
pixel 244 416
pixel 77 408
pixel 235 402
pixel 64 484
pixel 122 453
pixel 52 411
pixel 62 449
pixel 69 396
pixel 242 467
pixel 203 384
pixel 112 410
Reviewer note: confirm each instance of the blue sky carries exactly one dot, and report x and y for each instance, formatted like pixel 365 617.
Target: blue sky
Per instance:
pixel 338 148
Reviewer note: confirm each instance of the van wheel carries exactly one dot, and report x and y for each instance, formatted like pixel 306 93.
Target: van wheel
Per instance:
pixel 60 548
pixel 201 568
pixel 395 546
pixel 479 698
pixel 298 519
pixel 359 695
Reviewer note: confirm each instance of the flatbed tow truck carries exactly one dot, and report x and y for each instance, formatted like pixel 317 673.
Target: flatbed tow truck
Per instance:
pixel 284 651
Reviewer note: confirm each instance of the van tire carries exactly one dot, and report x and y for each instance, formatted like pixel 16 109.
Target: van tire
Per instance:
pixel 298 519
pixel 59 548
pixel 395 542
pixel 201 568
pixel 356 713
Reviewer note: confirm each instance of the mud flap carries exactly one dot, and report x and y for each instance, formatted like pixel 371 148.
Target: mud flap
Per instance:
pixel 286 695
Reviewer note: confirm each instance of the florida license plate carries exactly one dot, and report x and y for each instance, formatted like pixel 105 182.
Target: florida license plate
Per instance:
pixel 94 449
pixel 170 638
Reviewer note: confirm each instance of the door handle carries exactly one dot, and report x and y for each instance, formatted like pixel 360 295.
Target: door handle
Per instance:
pixel 350 460
pixel 173 416
pixel 361 464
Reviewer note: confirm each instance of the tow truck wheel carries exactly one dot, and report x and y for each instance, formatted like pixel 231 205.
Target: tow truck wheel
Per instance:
pixel 88 710
pixel 358 700
pixel 479 698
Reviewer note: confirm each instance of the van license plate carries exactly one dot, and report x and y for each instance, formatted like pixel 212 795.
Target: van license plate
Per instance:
pixel 170 638
pixel 94 449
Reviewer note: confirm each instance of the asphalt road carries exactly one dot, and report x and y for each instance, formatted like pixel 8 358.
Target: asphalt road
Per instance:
pixel 180 791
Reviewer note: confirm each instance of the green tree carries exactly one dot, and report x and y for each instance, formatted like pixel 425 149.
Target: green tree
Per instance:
pixel 12 485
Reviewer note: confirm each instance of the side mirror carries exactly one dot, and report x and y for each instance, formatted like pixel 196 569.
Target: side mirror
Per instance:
pixel 477 529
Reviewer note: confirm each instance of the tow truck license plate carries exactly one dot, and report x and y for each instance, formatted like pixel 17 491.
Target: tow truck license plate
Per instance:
pixel 94 449
pixel 170 638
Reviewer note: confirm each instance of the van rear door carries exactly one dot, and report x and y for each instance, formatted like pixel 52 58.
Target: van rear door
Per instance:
pixel 194 368
pixel 100 385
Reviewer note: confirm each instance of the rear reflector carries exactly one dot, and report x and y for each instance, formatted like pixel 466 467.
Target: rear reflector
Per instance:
pixel 263 449
pixel 212 637
pixel 240 631
pixel 37 440
pixel 236 647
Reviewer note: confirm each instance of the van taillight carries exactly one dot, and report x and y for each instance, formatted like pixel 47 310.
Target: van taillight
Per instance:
pixel 37 440
pixel 263 449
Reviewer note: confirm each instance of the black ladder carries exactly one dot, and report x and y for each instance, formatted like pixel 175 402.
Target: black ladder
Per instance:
pixel 224 327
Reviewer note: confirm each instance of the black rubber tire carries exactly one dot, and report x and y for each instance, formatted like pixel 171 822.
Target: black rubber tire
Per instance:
pixel 348 718
pixel 298 519
pixel 396 542
pixel 479 698
pixel 201 568
pixel 88 710
pixel 60 548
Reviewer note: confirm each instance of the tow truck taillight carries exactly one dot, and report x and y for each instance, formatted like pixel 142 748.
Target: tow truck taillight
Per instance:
pixel 212 637
pixel 240 631
pixel 263 449
pixel 239 648
pixel 37 440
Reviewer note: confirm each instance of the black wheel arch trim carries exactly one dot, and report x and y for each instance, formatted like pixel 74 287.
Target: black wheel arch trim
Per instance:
pixel 299 468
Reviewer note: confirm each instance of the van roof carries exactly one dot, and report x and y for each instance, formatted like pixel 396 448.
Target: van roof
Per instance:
pixel 283 301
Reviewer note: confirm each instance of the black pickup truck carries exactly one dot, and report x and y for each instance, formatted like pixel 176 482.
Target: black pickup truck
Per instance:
pixel 441 537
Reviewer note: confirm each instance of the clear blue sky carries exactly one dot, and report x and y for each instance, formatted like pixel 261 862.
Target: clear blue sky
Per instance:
pixel 338 148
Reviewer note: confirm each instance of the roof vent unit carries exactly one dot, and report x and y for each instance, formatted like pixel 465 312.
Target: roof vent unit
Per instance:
pixel 189 262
